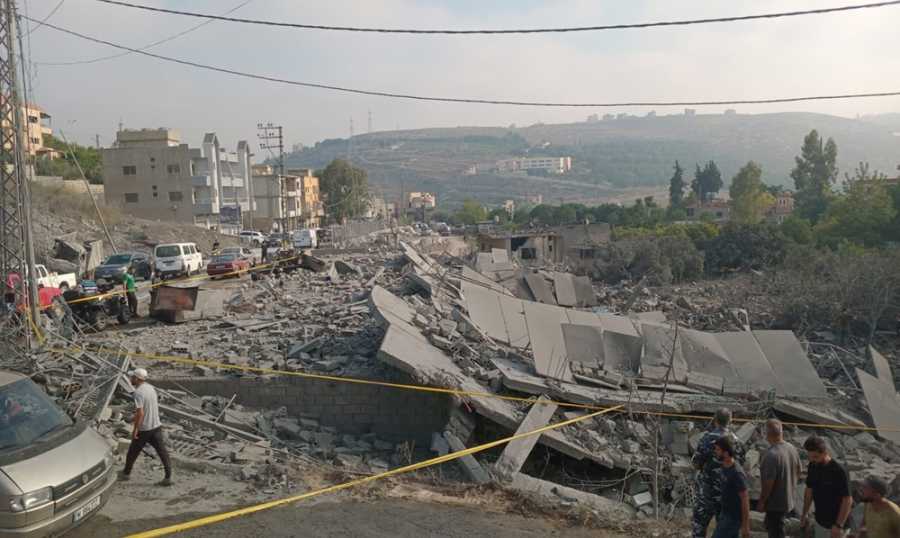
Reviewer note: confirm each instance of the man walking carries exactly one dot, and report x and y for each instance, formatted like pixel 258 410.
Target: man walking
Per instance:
pixel 780 473
pixel 734 518
pixel 147 427
pixel 709 478
pixel 881 518
pixel 131 291
pixel 828 486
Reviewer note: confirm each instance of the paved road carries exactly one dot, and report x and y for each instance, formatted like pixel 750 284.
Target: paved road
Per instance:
pixel 386 517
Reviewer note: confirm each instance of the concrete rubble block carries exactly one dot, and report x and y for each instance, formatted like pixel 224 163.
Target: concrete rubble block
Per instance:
pixel 439 444
pixel 704 354
pixel 483 306
pixel 540 289
pixel 884 405
pixel 474 277
pixel 516 452
pixel 621 352
pixel 791 364
pixel 544 326
pixel 584 291
pixel 641 499
pixel 584 344
pixel 440 342
pixel 882 368
pixel 754 372
pixel 554 493
pixel 347 269
pixel 287 427
pixel 68 250
pixel 661 342
pixel 807 413
pixel 565 289
pixel 468 463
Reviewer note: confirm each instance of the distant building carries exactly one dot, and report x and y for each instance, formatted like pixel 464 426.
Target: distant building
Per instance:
pixel 311 208
pixel 421 200
pixel 510 207
pixel 581 244
pixel 782 209
pixel 718 210
pixel 553 165
pixel 731 112
pixel 38 126
pixel 690 112
pixel 279 204
pixel 526 247
pixel 149 173
pixel 534 199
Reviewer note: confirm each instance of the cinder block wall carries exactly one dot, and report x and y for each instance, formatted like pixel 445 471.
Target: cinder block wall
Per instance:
pixel 396 415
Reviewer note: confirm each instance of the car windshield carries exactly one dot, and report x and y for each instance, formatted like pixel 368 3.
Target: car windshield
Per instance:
pixel 27 416
pixel 168 251
pixel 224 259
pixel 118 259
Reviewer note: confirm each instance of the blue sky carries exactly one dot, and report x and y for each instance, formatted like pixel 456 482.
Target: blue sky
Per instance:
pixel 836 53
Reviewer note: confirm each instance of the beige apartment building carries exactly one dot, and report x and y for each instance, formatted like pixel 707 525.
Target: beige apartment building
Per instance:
pixel 36 127
pixel 312 210
pixel 151 174
pixel 279 205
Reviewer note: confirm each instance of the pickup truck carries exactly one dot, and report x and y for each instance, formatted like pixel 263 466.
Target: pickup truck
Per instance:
pixel 55 280
pixel 46 294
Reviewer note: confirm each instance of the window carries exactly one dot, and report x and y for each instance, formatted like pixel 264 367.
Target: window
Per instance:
pixel 586 253
pixel 33 119
pixel 527 253
pixel 173 169
pixel 131 198
pixel 175 196
pixel 155 193
pixel 129 170
pixel 35 140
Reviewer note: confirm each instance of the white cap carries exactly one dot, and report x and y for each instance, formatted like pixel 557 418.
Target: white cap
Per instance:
pixel 140 373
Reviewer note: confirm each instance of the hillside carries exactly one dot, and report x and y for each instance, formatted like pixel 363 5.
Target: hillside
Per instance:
pixel 609 156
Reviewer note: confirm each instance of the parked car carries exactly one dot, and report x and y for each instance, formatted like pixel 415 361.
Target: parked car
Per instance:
pixel 54 280
pixel 227 264
pixel 275 239
pixel 252 237
pixel 177 259
pixel 54 473
pixel 305 238
pixel 115 267
pixel 46 294
pixel 441 227
pixel 241 252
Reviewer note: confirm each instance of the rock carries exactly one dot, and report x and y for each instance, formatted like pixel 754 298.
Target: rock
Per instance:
pixel 248 472
pixel 685 304
pixel 288 428
pixel 441 342
pixel 447 327
pixel 68 251
pixel 344 268
pixel 631 447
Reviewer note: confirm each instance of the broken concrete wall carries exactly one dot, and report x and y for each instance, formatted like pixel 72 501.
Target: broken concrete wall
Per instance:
pixel 391 414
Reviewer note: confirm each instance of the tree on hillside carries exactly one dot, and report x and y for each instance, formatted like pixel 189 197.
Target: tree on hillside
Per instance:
pixel 749 198
pixel 346 190
pixel 471 212
pixel 676 187
pixel 89 158
pixel 707 181
pixel 814 172
pixel 863 214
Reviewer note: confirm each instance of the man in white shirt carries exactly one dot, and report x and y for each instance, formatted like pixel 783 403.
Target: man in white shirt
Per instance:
pixel 147 427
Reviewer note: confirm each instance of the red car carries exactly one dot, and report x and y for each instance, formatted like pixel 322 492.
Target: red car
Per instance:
pixel 45 294
pixel 227 264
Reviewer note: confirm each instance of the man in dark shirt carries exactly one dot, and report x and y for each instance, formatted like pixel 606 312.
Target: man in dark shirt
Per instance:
pixel 733 520
pixel 828 486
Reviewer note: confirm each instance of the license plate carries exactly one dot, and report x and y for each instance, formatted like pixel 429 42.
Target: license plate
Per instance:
pixel 87 509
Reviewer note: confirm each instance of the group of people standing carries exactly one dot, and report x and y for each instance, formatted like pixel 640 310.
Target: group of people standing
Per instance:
pixel 723 492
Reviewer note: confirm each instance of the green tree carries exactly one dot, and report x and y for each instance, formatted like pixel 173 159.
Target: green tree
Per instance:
pixel 749 197
pixel 745 246
pixel 863 214
pixel 89 158
pixel 346 190
pixel 676 187
pixel 707 181
pixel 814 172
pixel 798 230
pixel 471 212
pixel 499 214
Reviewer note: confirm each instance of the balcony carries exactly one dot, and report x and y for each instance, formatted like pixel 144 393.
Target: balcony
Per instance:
pixel 205 207
pixel 201 181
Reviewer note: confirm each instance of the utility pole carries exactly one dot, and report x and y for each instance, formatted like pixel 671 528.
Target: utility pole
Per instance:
pixel 272 138
pixel 370 122
pixel 16 246
pixel 97 141
pixel 350 142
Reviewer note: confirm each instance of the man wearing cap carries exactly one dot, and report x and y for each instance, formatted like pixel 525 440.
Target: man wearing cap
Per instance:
pixel 881 518
pixel 147 427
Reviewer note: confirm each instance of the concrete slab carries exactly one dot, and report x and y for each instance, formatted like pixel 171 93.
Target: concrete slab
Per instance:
pixel 654 316
pixel 516 452
pixel 584 344
pixel 484 309
pixel 475 277
pixel 754 373
pixel 483 262
pixel 807 413
pixel 584 291
pixel 791 364
pixel 884 406
pixel 704 354
pixel 468 463
pixel 660 342
pixel 547 341
pixel 622 352
pixel 882 368
pixel 499 255
pixel 555 493
pixel 540 289
pixel 514 318
pixel 581 317
pixel 565 289
pixel 519 378
pixel 619 324
pixel 388 307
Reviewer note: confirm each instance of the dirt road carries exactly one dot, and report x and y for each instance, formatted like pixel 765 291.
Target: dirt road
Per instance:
pixel 389 517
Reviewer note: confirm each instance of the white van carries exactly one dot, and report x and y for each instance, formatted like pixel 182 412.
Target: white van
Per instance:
pixel 177 259
pixel 305 238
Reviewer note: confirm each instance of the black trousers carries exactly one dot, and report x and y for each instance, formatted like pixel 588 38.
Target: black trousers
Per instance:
pixel 155 439
pixel 775 524
pixel 132 302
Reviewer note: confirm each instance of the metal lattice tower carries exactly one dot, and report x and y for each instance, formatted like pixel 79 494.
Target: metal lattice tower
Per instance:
pixel 16 253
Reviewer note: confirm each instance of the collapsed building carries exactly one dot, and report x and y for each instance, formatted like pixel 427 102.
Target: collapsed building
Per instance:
pixel 261 382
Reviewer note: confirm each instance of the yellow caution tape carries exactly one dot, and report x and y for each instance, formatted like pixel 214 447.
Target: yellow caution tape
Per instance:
pixel 456 392
pixel 217 518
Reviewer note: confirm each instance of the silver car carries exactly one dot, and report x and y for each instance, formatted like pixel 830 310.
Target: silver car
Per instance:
pixel 54 473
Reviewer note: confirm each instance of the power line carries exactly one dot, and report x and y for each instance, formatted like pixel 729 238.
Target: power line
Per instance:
pixel 151 45
pixel 509 31
pixel 468 100
pixel 47 18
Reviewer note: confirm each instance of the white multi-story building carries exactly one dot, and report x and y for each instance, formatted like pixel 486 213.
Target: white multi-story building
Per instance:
pixel 553 165
pixel 149 173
